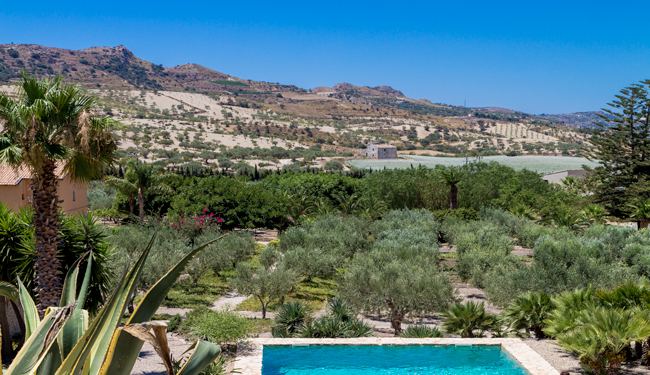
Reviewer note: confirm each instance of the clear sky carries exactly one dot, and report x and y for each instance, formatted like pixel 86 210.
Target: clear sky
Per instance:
pixel 540 56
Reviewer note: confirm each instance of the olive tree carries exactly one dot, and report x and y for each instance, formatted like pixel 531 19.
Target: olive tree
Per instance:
pixel 319 248
pixel 266 284
pixel 399 275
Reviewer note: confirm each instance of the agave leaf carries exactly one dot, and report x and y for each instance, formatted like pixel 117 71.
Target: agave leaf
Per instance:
pixel 125 349
pixel 154 333
pixel 83 291
pixel 30 312
pixel 69 292
pixel 73 330
pixel 90 350
pixel 76 326
pixel 9 291
pixel 51 361
pixel 38 345
pixel 204 354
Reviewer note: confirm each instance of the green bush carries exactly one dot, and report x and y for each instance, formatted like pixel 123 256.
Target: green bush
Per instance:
pixel 400 272
pixel 218 327
pixel 602 335
pixel 333 327
pixel 290 319
pixel 320 247
pixel 468 319
pixel 529 312
pixel 480 246
pixel 421 331
pixel 78 235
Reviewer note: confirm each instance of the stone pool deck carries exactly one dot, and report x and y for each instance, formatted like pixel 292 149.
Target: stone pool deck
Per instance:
pixel 249 358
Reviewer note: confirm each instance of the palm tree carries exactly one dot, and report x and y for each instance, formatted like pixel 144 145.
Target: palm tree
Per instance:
pixel 468 319
pixel 452 176
pixel 138 179
pixel 641 212
pixel 52 125
pixel 528 312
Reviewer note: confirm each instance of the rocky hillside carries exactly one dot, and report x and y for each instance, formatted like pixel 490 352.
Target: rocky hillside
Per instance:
pixel 190 113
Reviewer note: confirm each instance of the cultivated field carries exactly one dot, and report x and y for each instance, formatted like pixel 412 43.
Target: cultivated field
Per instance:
pixel 541 164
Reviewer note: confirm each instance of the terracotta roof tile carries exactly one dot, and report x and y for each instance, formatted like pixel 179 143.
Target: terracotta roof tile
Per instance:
pixel 12 176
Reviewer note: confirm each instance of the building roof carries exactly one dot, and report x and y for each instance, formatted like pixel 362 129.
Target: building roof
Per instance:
pixel 382 145
pixel 12 176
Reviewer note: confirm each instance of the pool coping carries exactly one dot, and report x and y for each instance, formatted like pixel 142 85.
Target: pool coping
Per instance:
pixel 249 354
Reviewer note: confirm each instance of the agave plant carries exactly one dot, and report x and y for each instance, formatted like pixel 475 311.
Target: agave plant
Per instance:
pixel 468 319
pixel 66 341
pixel 528 312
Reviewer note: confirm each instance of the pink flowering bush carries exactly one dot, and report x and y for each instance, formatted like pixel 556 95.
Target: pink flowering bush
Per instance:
pixel 194 226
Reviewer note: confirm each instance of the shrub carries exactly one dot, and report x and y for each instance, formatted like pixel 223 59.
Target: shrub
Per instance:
pixel 421 331
pixel 265 284
pixel 333 327
pixel 340 322
pixel 568 305
pixel 78 235
pixel 398 274
pixel 602 335
pixel 528 312
pixel 290 319
pixel 480 246
pixel 219 327
pixel 320 247
pixel 468 319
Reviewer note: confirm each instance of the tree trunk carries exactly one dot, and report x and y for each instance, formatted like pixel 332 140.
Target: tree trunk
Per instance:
pixel 47 270
pixel 131 205
pixel 7 350
pixel 453 196
pixel 263 309
pixel 396 318
pixel 141 203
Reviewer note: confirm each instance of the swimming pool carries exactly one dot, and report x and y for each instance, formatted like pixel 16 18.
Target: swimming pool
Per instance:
pixel 388 360
pixel 389 356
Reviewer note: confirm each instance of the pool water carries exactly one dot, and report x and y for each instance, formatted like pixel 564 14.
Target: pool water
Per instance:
pixel 388 360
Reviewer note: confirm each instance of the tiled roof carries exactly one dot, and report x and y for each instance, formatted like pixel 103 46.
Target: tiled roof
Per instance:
pixel 12 176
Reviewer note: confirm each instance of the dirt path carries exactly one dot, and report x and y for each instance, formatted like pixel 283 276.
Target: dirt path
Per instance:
pixel 149 363
pixel 228 301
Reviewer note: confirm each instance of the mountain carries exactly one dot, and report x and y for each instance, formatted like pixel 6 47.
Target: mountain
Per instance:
pixel 191 113
pixel 584 120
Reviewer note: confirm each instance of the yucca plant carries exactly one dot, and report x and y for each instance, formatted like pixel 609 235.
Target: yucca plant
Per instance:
pixel 528 312
pixel 66 341
pixel 290 318
pixel 468 319
pixel 341 321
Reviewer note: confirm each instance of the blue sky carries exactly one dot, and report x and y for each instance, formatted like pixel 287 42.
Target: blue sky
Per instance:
pixel 536 56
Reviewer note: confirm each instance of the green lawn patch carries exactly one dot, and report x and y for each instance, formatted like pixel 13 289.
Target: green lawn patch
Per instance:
pixel 218 327
pixel 313 293
pixel 204 293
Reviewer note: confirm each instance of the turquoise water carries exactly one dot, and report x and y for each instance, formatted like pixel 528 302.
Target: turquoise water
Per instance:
pixel 388 360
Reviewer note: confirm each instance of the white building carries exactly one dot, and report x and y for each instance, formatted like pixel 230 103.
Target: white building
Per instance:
pixel 381 151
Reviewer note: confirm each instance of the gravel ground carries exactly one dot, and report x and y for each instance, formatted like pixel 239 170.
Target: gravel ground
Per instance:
pixel 149 363
pixel 563 361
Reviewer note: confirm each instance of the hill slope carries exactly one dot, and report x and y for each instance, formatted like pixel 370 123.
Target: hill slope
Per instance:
pixel 190 113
